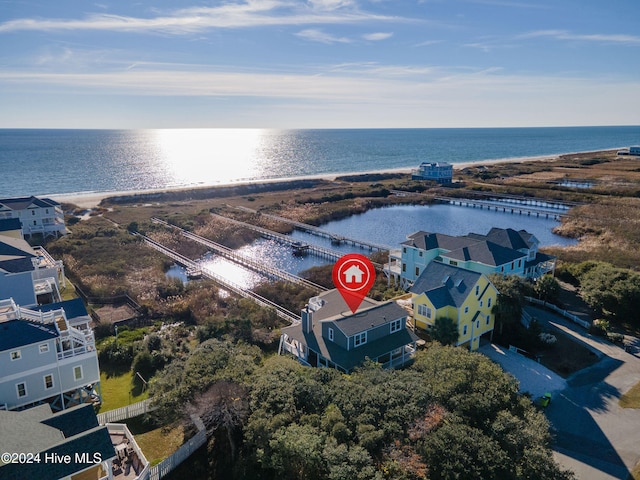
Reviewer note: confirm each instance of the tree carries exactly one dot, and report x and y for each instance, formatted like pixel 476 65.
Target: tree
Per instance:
pixel 547 288
pixel 445 331
pixel 508 306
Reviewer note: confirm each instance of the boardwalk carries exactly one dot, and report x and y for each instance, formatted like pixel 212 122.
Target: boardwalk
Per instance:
pixel 243 260
pixel 336 239
pixel 555 211
pixel 223 282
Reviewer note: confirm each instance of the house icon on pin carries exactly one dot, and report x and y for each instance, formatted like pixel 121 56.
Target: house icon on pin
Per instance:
pixel 353 274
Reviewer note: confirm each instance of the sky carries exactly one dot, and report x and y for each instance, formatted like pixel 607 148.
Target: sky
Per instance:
pixel 318 63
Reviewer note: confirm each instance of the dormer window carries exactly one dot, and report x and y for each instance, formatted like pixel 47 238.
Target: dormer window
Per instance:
pixel 16 355
pixel 396 325
pixel 330 334
pixel 360 339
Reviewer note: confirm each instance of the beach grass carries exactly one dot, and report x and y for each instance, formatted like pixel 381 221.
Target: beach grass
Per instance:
pixel 631 399
pixel 156 442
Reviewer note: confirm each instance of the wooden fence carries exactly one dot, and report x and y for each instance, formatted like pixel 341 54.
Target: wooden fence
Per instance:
pixel 564 313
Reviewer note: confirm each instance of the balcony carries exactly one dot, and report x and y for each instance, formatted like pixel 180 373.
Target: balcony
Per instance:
pixel 130 463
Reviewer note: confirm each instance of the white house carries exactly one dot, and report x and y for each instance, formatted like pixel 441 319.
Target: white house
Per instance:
pixel 29 274
pixel 43 359
pixel 37 215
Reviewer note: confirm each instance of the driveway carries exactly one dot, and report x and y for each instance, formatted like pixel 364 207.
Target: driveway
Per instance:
pixel 594 436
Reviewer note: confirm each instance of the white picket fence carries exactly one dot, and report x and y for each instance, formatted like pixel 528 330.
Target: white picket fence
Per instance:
pixel 123 413
pixel 559 310
pixel 168 464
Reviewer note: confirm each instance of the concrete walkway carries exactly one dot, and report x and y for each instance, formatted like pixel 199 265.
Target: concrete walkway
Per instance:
pixel 594 436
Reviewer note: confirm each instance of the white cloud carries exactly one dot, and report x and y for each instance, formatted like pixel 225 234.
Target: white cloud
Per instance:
pixel 377 36
pixel 250 13
pixel 316 35
pixel 620 39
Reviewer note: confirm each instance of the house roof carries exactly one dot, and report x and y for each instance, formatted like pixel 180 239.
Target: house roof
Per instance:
pixel 445 284
pixel 8 224
pixel 485 252
pixel 508 238
pixel 370 313
pixel 16 255
pixel 37 430
pixel 429 241
pixel 22 203
pixel 72 308
pixel 19 333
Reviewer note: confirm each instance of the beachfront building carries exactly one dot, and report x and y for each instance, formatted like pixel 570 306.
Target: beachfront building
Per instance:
pixel 65 445
pixel 44 359
pixel 11 227
pixel 635 150
pixel 331 336
pixel 37 215
pixel 501 251
pixel 29 274
pixel 464 296
pixel 441 172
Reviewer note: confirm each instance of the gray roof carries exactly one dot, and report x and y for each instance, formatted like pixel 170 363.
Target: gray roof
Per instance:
pixel 428 241
pixel 18 333
pixel 445 284
pixel 24 202
pixel 15 255
pixel 37 430
pixel 485 252
pixel 370 313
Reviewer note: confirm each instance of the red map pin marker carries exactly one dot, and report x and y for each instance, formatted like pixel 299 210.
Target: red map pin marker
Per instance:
pixel 353 276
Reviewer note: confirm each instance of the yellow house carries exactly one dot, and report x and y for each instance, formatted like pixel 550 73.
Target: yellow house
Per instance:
pixel 464 296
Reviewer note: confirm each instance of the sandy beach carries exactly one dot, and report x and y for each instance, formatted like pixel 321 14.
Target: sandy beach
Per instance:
pixel 90 200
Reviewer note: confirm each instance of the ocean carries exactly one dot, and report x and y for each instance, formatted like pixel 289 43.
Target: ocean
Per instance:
pixel 53 162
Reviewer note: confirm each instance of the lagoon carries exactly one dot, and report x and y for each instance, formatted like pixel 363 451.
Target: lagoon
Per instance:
pixel 387 226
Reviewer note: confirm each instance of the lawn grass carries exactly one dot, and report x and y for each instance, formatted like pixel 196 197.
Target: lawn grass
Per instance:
pixel 631 399
pixel 157 443
pixel 118 390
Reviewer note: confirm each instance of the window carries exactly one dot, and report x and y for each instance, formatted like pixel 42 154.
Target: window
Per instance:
pixel 466 309
pixel 404 249
pixel 404 267
pixel 396 325
pixel 488 319
pixel 331 334
pixel 424 311
pixel 48 381
pixel 480 303
pixel 464 330
pixel 512 265
pixel 489 302
pixel 417 271
pixel 477 323
pixel 33 212
pixel 453 262
pixel 44 347
pixel 22 389
pixel 360 339
pixel 420 253
pixel 77 372
pixel 477 290
pixel 16 355
pixel 47 210
pixel 519 263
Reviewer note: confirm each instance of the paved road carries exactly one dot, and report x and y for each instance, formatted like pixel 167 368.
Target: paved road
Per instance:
pixel 594 436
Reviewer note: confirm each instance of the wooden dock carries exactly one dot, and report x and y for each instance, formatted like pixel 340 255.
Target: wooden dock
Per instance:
pixel 335 239
pixel 243 260
pixel 554 211
pixel 223 282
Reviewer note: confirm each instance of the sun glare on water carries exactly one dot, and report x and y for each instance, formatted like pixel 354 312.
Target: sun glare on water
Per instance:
pixel 209 156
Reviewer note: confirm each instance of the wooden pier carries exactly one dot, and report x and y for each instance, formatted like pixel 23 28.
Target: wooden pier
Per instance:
pixel 335 239
pixel 299 248
pixel 554 210
pixel 223 282
pixel 244 261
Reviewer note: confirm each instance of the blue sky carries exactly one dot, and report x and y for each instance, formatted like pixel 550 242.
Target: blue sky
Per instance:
pixel 318 63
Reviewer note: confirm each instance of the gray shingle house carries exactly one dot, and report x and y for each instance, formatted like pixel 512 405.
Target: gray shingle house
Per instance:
pixel 330 335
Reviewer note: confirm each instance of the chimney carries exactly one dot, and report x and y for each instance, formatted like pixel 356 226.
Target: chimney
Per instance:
pixel 307 319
